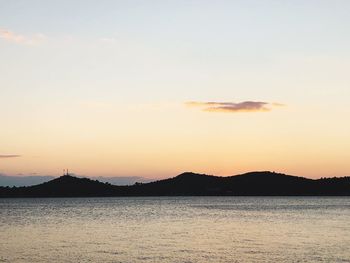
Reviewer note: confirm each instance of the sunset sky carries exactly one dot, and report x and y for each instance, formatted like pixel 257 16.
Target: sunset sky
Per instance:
pixel 156 88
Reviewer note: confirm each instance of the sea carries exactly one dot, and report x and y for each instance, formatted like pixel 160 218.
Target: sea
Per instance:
pixel 175 229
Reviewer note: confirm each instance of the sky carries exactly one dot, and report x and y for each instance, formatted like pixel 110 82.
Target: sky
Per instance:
pixel 156 88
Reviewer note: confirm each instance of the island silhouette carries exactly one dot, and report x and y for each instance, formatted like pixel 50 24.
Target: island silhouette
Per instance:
pixel 189 184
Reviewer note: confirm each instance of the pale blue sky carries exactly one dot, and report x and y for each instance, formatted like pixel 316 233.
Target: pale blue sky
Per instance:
pixel 64 63
pixel 190 41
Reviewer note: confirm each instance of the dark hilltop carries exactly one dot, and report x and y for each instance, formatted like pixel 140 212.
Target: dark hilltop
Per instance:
pixel 189 184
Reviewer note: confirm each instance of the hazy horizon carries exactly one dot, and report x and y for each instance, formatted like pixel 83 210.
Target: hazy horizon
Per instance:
pixel 132 179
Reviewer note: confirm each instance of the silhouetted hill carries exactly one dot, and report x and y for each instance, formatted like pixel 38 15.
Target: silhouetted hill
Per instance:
pixel 190 184
pixel 64 186
pixel 29 180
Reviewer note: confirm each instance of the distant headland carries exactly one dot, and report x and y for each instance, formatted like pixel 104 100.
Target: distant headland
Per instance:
pixel 189 184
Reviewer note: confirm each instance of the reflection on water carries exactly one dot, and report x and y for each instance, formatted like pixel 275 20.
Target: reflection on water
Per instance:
pixel 175 229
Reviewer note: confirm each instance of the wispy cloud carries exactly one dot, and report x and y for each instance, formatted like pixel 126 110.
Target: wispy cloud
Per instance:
pixel 9 155
pixel 234 107
pixel 21 39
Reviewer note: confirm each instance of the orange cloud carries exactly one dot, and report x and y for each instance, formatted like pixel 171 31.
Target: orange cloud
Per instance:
pixel 20 39
pixel 9 155
pixel 245 106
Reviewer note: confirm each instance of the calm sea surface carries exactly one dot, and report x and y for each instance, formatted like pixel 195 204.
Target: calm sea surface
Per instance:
pixel 175 229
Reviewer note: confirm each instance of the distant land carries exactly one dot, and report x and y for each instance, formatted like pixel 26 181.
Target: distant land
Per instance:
pixel 24 180
pixel 189 184
pixel 29 180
